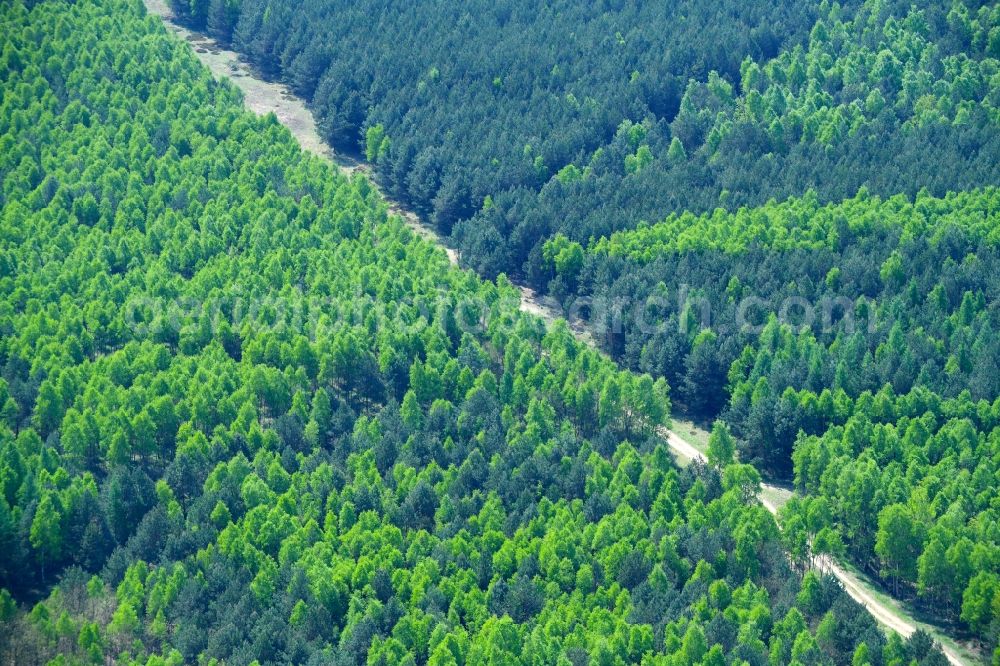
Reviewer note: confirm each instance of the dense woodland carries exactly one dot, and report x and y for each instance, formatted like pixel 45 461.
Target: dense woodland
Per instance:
pixel 927 469
pixel 889 99
pixel 508 123
pixel 457 102
pixel 798 231
pixel 249 418
pixel 877 387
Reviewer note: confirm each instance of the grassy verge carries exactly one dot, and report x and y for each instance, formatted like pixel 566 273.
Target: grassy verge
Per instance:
pixel 778 497
pixel 911 615
pixel 690 432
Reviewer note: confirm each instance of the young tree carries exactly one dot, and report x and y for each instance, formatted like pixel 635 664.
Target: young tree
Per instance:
pixel 934 575
pixel 721 445
pixel 898 543
pixel 979 602
pixel 46 532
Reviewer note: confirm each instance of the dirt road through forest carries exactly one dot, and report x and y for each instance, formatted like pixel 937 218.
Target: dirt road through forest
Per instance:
pixel 264 97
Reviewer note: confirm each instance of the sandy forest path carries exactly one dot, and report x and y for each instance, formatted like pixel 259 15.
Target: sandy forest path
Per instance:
pixel 262 97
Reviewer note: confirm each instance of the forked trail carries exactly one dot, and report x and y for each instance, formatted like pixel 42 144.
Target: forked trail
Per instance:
pixel 264 97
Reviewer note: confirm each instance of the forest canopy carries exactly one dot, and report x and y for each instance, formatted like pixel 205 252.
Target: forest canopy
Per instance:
pixel 249 417
pixel 784 229
pixel 508 123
